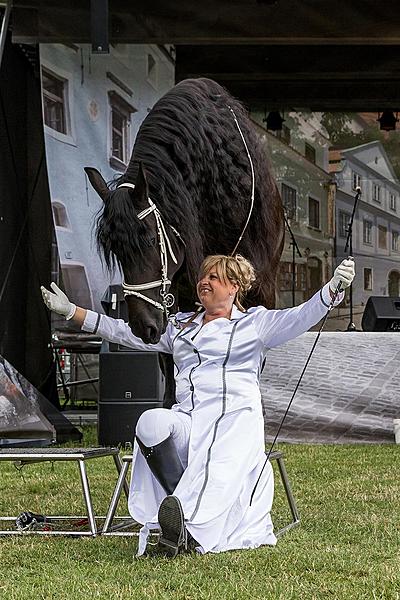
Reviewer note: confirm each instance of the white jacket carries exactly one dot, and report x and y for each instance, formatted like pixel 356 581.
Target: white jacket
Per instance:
pixel 217 369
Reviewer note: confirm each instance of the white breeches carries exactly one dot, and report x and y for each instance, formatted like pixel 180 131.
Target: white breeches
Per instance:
pixel 157 424
pixel 222 463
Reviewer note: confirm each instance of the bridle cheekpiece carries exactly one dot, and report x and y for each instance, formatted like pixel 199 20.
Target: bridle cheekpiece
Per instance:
pixel 167 299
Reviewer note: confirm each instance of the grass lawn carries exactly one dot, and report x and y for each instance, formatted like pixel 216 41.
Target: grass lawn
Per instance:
pixel 347 545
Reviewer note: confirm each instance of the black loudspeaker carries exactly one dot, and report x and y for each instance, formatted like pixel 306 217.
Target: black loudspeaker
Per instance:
pixel 130 383
pixel 381 313
pixel 99 26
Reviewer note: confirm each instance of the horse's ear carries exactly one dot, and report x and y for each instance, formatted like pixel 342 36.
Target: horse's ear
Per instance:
pixel 141 193
pixel 141 182
pixel 97 182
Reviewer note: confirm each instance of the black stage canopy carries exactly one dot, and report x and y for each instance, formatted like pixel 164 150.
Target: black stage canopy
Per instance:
pixel 319 54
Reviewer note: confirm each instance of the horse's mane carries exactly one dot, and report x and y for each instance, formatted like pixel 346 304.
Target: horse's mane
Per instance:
pixel 199 176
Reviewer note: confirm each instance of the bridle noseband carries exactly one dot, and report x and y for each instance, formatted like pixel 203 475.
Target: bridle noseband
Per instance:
pixel 167 299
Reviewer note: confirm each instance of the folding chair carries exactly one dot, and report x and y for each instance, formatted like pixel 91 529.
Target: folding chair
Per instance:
pixel 110 529
pixel 26 456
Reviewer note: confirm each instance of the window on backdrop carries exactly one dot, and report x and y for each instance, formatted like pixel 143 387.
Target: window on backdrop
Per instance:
pixel 356 180
pixel 344 220
pixel 60 215
pixel 395 241
pixel 120 138
pixel 55 261
pixel 376 193
pixel 367 279
pixel 310 153
pixel 286 277
pixel 289 201
pixel 152 70
pixel 313 213
pixel 76 283
pixel 382 237
pixel 119 127
pixel 393 202
pixel 367 232
pixel 54 101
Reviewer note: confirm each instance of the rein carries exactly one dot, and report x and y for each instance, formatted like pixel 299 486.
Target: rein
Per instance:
pixel 167 299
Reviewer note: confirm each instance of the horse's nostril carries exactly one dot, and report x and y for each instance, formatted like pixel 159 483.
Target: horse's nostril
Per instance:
pixel 151 334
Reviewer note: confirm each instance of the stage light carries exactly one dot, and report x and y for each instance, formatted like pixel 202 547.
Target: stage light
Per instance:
pixel 274 121
pixel 387 120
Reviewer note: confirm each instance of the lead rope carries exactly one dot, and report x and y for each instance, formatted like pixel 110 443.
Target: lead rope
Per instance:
pixel 250 211
pixel 252 183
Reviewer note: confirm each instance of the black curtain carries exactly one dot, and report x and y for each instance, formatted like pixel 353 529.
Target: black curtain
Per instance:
pixel 26 224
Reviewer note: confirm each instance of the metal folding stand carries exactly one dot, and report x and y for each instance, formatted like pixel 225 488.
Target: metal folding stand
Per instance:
pixel 278 456
pixel 77 344
pixel 110 529
pixel 25 456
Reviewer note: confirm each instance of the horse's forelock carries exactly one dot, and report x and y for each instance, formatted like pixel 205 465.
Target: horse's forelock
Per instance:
pixel 120 235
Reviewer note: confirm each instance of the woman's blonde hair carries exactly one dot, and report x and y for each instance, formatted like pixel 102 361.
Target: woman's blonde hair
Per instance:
pixel 235 269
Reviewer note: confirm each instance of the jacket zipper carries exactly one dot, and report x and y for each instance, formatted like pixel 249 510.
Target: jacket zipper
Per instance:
pixel 190 375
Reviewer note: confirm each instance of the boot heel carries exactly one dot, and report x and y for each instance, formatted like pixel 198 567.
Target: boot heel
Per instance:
pixel 173 536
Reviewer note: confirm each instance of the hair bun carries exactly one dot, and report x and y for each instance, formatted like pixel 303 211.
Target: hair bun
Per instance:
pixel 247 273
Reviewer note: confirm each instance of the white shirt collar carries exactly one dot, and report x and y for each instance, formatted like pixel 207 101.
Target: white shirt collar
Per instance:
pixel 235 315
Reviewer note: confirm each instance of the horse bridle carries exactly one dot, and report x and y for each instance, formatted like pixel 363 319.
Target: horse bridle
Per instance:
pixel 167 299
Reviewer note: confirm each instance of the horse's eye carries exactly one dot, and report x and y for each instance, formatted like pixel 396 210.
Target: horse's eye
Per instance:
pixel 150 242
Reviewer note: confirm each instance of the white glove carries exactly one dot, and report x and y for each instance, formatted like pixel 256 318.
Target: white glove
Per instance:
pixel 58 302
pixel 344 274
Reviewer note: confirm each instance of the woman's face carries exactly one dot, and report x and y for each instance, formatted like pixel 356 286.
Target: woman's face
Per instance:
pixel 214 291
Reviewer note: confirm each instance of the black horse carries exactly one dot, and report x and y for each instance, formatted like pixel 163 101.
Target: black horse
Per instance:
pixel 190 159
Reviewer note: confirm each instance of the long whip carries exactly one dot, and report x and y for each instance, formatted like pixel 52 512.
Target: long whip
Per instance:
pixel 331 305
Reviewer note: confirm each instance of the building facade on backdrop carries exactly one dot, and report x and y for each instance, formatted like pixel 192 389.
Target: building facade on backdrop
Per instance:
pixel 376 227
pixel 93 106
pixel 299 155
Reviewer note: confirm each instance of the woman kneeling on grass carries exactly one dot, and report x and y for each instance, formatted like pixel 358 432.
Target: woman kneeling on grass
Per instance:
pixel 196 465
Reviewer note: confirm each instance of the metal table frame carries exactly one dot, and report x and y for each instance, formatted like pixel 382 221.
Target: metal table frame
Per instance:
pixel 110 529
pixel 25 456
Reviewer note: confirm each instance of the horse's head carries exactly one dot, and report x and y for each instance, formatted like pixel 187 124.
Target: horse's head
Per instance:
pixel 132 233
